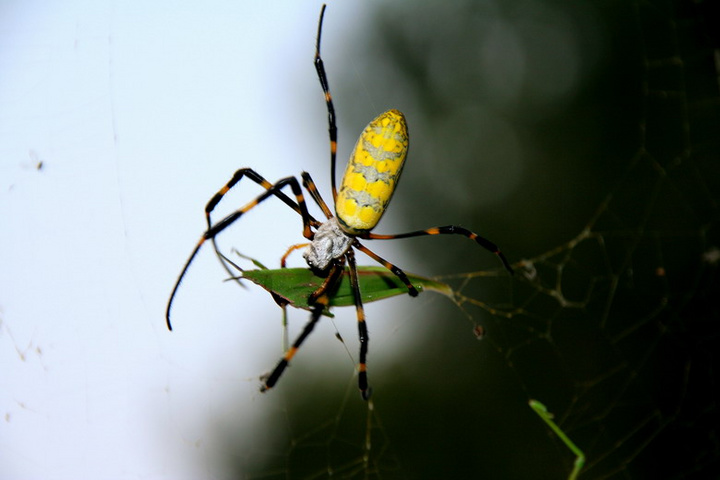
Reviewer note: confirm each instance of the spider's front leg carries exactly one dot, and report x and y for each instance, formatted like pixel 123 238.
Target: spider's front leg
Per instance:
pixel 215 200
pixel 214 230
pixel 318 306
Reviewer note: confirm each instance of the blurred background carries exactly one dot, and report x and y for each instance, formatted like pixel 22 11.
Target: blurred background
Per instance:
pixel 583 139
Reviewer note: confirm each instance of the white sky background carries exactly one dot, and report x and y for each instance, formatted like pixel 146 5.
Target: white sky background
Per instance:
pixel 139 111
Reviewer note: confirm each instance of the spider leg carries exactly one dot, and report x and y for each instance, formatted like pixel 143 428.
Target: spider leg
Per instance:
pixel 310 186
pixel 332 125
pixel 393 268
pixel 237 176
pixel 211 232
pixel 317 308
pixel 449 229
pixel 329 284
pixel 283 259
pixel 280 300
pixel 365 390
pixel 272 191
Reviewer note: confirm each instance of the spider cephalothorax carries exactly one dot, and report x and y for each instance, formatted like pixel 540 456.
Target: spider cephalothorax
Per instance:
pixel 329 243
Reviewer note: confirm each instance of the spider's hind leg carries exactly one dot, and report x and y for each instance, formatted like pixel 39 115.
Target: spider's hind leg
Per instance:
pixel 446 230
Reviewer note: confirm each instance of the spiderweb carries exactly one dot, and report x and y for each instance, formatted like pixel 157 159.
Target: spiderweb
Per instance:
pixel 611 317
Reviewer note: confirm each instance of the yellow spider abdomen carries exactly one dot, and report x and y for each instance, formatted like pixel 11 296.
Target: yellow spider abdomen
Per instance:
pixel 372 173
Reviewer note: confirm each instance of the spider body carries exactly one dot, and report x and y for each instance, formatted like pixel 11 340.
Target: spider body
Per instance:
pixel 367 186
pixel 372 173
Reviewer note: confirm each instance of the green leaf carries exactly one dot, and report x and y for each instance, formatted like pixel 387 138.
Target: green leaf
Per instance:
pixel 294 285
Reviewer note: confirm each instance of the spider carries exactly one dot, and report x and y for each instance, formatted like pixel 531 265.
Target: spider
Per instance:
pixel 369 181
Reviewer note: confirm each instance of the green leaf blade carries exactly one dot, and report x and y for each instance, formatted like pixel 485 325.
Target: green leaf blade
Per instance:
pixel 295 285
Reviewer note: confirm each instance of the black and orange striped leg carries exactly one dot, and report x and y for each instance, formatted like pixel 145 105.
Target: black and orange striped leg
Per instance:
pixel 365 390
pixel 317 309
pixel 449 229
pixel 270 381
pixel 237 176
pixel 215 229
pixel 331 282
pixel 332 124
pixel 310 186
pixel 292 248
pixel 272 191
pixel 393 268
